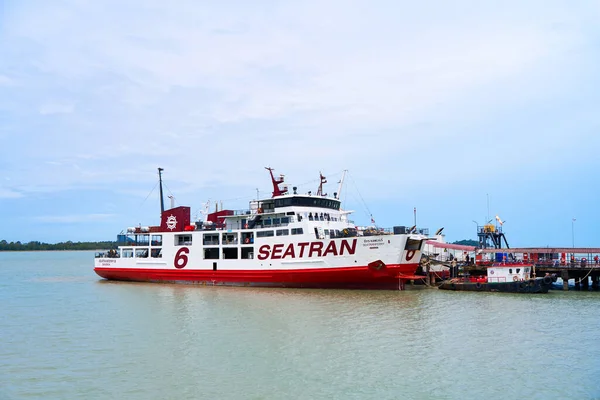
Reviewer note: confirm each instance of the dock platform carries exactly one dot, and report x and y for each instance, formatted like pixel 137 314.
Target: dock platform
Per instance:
pixel 582 264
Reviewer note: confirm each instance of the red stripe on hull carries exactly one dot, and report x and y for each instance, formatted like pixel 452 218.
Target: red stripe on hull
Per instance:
pixel 322 278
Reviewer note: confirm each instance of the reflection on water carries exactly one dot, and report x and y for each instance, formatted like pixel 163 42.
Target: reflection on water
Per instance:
pixel 67 334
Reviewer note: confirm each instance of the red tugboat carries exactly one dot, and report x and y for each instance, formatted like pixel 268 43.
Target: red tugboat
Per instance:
pixel 288 240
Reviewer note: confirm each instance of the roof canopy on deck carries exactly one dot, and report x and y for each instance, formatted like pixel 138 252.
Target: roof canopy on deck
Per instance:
pixel 544 250
pixel 442 245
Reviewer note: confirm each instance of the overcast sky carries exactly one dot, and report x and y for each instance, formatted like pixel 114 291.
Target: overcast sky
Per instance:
pixel 463 109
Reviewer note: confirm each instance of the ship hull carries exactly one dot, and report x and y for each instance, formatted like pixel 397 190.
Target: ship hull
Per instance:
pixel 539 285
pixel 392 277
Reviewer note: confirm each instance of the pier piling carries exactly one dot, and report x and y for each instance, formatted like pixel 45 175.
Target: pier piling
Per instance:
pixel 565 278
pixel 585 283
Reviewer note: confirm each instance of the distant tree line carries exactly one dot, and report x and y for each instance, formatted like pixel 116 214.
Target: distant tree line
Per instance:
pixel 467 242
pixel 33 246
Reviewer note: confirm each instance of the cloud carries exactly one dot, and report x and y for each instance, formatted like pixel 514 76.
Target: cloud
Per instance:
pixel 6 81
pixel 6 193
pixel 395 91
pixel 70 219
pixel 49 109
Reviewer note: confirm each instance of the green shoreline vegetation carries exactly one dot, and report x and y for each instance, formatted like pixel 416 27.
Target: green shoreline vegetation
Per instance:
pixel 39 246
pixel 467 242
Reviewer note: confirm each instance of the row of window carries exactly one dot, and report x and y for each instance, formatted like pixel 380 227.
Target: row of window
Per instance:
pixel 308 202
pixel 280 232
pixel 518 270
pixel 228 253
pixel 141 240
pixel 276 221
pixel 268 222
pixel 273 222
pixel 141 253
pixel 318 217
pixel 209 254
pixel 232 238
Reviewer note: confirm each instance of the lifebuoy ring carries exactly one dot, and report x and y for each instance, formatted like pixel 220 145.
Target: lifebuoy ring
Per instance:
pixel 583 259
pixel 409 255
pixel 478 285
pixel 246 225
pixel 515 278
pixel 247 240
pixel 526 276
pixel 259 211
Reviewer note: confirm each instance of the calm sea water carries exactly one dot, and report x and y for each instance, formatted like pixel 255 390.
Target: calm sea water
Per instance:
pixel 66 334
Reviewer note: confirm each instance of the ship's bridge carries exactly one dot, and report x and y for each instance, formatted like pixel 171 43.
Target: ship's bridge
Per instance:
pixel 305 201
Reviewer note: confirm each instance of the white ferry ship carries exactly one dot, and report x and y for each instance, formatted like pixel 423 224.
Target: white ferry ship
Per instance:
pixel 288 240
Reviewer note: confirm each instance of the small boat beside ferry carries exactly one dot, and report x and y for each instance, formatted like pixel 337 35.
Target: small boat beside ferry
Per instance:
pixel 507 278
pixel 288 240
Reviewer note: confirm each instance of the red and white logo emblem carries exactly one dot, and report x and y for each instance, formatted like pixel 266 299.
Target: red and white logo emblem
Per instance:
pixel 171 222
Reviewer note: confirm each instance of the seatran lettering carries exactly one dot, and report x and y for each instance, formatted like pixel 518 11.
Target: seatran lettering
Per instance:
pixel 308 249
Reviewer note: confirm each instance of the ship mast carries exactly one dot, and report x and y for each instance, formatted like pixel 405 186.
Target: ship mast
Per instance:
pixel 162 202
pixel 339 192
pixel 320 190
pixel 276 190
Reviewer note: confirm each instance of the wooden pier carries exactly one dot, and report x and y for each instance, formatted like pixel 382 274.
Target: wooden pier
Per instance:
pixel 580 264
pixel 581 274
